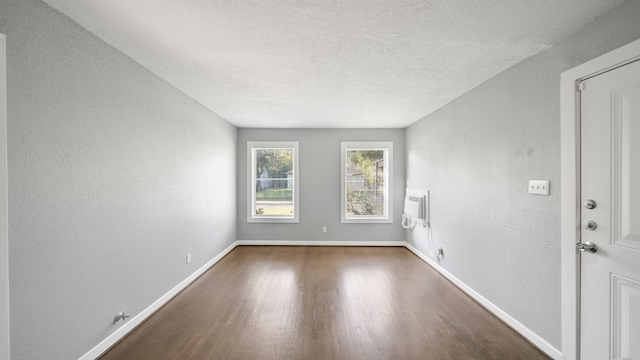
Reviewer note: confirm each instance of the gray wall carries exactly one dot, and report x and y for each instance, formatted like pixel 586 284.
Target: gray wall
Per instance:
pixel 114 176
pixel 476 155
pixel 4 201
pixel 320 186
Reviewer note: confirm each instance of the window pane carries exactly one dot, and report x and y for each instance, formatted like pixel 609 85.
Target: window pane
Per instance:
pixel 274 182
pixel 365 187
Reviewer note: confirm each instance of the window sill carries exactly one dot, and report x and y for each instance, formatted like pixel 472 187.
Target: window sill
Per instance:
pixel 273 220
pixel 368 220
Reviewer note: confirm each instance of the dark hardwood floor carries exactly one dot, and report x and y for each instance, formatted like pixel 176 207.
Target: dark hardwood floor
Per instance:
pixel 281 302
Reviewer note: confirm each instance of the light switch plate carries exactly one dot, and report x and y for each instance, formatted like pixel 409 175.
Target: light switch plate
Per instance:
pixel 539 187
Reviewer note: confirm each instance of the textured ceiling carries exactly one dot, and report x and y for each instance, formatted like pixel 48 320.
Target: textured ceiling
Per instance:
pixel 329 63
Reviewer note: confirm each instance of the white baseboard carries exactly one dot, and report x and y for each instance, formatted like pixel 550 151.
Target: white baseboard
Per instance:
pixel 138 319
pixel 319 243
pixel 502 315
pixel 542 344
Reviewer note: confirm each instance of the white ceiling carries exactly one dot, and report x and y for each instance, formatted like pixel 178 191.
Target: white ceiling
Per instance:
pixel 329 63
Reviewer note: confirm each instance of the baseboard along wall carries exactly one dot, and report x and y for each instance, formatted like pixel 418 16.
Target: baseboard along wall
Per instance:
pixel 536 340
pixel 136 320
pixel 531 336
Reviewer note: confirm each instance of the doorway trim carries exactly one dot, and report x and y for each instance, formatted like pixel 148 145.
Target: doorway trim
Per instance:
pixel 570 177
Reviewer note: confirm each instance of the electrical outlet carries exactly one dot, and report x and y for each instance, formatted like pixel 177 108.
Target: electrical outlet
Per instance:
pixel 188 258
pixel 324 229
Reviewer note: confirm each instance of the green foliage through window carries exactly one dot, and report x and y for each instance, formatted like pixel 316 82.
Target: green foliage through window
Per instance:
pixel 365 190
pixel 273 182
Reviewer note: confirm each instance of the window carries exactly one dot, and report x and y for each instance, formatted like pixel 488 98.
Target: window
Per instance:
pixel 366 182
pixel 273 181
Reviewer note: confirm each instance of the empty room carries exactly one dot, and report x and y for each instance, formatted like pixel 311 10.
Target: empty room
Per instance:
pixel 297 179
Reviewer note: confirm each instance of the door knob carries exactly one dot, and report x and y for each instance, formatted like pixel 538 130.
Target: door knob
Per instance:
pixel 590 225
pixel 590 204
pixel 588 246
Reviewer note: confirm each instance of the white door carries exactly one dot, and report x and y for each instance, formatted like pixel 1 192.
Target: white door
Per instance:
pixel 610 178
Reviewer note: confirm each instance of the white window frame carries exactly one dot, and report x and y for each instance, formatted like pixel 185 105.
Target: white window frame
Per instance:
pixel 252 217
pixel 387 147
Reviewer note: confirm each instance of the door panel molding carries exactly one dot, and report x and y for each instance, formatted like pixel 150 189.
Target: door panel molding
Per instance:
pixel 570 175
pixel 625 182
pixel 626 300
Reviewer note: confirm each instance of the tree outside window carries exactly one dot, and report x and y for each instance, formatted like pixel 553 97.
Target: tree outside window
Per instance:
pixel 273 181
pixel 366 181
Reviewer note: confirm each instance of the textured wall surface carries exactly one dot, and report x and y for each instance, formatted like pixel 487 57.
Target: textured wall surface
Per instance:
pixel 476 156
pixel 320 186
pixel 114 175
pixel 4 241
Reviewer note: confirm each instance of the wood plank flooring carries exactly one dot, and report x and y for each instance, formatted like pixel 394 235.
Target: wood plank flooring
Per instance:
pixel 281 302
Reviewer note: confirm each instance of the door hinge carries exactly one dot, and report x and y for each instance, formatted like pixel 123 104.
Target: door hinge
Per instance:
pixel 581 85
